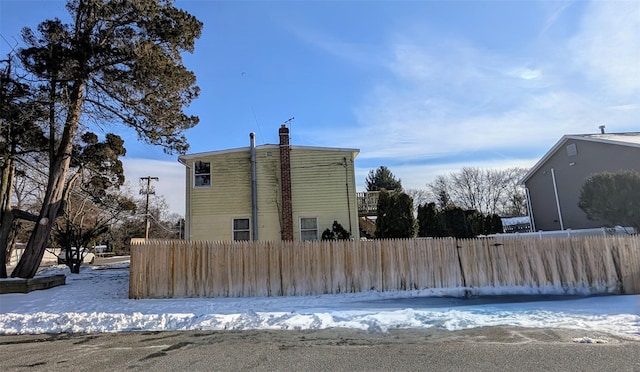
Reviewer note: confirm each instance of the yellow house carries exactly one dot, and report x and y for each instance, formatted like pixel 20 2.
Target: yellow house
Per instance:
pixel 269 192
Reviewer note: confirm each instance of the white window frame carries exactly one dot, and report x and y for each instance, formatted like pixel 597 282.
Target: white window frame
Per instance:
pixel 234 230
pixel 195 175
pixel 307 230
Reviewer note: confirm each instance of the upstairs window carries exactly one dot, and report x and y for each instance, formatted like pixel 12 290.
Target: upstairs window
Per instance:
pixel 202 174
pixel 308 228
pixel 241 229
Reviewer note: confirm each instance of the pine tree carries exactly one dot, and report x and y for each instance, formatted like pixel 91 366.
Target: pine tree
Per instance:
pixel 395 217
pixel 119 62
pixel 382 179
pixel 430 221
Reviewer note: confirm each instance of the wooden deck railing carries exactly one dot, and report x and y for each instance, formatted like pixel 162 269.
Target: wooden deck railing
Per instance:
pixel 367 203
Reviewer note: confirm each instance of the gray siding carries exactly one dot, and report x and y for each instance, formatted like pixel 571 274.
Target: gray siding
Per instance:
pixel 571 171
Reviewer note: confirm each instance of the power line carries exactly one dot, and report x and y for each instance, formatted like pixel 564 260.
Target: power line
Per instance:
pixel 255 118
pixel 147 192
pixel 161 225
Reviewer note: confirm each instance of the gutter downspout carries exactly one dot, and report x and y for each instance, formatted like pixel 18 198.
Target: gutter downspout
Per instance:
pixel 190 193
pixel 555 190
pixel 254 188
pixel 346 180
pixel 531 219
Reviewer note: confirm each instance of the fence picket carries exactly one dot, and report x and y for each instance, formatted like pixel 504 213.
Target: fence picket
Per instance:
pixel 162 269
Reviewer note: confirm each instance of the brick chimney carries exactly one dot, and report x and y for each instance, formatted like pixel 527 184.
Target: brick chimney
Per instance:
pixel 285 177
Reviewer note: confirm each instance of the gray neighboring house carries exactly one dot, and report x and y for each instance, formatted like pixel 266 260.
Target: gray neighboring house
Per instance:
pixel 553 185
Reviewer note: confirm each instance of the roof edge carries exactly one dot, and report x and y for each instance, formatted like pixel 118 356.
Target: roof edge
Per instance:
pixel 183 158
pixel 578 137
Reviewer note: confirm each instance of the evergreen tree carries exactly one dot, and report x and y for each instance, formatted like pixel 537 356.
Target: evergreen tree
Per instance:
pixel 119 62
pixel 475 221
pixel 493 224
pixel 395 217
pixel 382 179
pixel 430 221
pixel 337 232
pixel 19 135
pixel 613 198
pixel 457 223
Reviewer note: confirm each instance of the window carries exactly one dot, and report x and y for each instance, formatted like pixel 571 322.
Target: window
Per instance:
pixel 241 229
pixel 572 150
pixel 202 174
pixel 308 228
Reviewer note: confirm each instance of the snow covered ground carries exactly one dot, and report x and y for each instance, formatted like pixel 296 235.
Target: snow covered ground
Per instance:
pixel 96 300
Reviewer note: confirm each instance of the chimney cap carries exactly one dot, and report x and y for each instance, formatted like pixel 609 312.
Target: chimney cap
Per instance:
pixel 601 129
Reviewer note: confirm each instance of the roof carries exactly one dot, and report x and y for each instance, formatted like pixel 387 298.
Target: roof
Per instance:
pixel 183 158
pixel 511 221
pixel 631 139
pixel 624 139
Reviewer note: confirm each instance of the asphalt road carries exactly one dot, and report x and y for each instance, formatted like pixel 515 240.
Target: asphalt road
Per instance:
pixel 483 349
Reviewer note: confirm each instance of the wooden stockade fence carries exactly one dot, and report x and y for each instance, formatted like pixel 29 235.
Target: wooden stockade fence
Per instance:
pixel 174 268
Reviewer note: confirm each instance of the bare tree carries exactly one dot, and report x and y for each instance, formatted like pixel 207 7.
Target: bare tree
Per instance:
pixel 28 187
pixel 419 196
pixel 439 190
pixel 87 218
pixel 468 189
pixel 164 224
pixel 516 205
pixel 487 191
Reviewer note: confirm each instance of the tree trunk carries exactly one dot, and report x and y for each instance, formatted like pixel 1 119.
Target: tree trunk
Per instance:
pixel 7 224
pixel 6 217
pixel 53 199
pixel 4 235
pixel 74 266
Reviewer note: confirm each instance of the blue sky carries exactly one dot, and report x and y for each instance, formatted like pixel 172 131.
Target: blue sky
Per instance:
pixel 423 87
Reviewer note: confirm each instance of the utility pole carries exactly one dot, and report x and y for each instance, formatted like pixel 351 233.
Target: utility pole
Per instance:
pixel 147 192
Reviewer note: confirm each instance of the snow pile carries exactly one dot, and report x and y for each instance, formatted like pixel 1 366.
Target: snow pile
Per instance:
pixel 96 300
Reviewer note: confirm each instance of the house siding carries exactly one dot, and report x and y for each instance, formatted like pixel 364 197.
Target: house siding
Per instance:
pixel 231 179
pixel 571 172
pixel 268 175
pixel 318 190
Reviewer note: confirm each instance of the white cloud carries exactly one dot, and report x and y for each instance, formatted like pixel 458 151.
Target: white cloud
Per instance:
pixel 526 73
pixel 171 179
pixel 448 98
pixel 607 46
